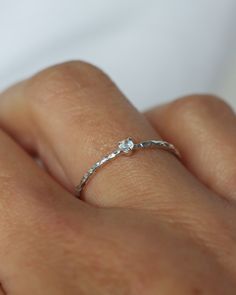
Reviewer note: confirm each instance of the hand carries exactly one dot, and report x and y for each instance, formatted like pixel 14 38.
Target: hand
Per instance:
pixel 149 224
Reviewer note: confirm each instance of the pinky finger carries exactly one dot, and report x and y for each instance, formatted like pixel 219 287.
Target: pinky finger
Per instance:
pixel 204 130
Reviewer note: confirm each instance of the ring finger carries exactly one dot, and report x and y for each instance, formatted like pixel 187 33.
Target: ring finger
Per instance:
pixel 72 115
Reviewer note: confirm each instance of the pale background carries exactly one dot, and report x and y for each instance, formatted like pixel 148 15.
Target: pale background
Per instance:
pixel 155 50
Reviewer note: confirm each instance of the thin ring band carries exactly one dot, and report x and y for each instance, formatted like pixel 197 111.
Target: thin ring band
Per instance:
pixel 125 147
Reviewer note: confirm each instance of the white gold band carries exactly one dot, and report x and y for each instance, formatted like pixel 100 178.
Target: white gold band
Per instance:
pixel 125 146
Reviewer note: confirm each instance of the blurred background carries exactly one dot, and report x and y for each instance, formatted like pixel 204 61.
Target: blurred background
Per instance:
pixel 155 50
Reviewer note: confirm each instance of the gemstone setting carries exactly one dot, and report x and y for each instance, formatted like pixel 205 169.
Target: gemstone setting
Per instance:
pixel 126 145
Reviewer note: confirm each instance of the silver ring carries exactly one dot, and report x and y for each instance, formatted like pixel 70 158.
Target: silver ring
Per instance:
pixel 125 147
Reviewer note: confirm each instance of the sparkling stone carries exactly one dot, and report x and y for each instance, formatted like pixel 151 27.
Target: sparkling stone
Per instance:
pixel 126 145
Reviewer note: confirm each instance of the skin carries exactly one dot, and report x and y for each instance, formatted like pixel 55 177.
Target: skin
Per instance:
pixel 149 224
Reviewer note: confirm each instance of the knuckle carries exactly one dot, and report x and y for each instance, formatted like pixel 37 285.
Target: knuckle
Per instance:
pixel 62 82
pixel 195 105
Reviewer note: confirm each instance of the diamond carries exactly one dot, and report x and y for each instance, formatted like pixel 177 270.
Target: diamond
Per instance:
pixel 126 145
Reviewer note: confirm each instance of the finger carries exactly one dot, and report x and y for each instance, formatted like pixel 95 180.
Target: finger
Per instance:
pixel 73 115
pixel 28 199
pixel 204 129
pixel 22 181
pixel 2 292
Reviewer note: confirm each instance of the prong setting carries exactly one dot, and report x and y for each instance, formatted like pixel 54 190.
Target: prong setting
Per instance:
pixel 126 145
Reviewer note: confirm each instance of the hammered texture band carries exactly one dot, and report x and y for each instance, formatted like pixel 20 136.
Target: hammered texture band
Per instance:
pixel 125 147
